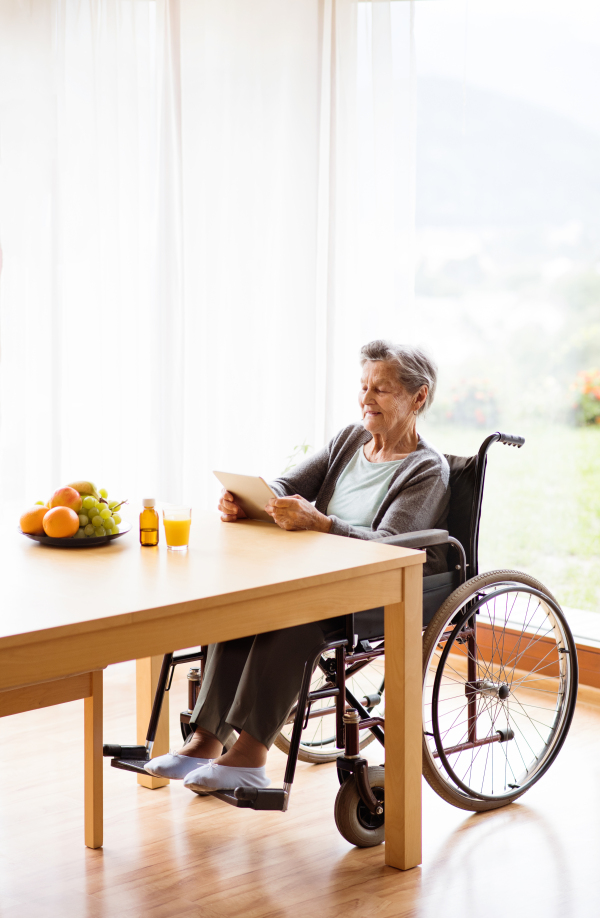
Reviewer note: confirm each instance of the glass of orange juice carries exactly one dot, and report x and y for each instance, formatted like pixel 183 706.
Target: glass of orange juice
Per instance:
pixel 177 522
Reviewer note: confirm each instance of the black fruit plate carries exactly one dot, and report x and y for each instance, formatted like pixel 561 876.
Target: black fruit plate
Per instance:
pixel 78 543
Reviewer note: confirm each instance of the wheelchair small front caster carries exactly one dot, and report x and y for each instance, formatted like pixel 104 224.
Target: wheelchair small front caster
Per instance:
pixel 354 820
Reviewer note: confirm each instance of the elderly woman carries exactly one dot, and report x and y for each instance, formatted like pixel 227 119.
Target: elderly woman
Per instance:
pixel 374 479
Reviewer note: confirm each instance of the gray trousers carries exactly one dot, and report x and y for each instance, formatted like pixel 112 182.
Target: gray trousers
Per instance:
pixel 252 683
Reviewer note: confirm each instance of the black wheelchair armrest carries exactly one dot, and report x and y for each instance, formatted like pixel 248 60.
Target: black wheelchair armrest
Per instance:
pixel 422 539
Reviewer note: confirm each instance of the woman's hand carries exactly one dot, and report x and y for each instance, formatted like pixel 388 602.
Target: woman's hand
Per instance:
pixel 230 510
pixel 297 513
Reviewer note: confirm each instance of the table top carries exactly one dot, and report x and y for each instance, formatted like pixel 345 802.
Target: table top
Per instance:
pixel 46 589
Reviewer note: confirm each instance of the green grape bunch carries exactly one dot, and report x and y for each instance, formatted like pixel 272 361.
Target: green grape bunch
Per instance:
pixel 99 517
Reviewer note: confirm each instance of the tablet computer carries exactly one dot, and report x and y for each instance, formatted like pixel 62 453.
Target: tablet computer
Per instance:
pixel 250 491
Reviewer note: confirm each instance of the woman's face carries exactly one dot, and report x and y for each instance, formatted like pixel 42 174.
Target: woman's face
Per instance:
pixel 384 402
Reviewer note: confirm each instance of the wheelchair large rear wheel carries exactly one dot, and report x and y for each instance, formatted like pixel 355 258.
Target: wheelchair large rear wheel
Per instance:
pixel 499 689
pixel 365 681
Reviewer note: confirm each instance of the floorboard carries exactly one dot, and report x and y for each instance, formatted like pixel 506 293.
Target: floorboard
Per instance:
pixel 170 853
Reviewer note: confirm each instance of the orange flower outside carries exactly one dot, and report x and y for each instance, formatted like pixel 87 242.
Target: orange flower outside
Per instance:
pixel 587 384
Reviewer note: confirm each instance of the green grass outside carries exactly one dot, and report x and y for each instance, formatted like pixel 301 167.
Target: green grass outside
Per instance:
pixel 541 507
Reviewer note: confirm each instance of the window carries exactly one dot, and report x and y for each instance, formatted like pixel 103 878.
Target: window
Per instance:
pixel 508 267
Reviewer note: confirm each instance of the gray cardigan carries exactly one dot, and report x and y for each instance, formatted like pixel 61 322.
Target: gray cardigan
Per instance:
pixel 418 495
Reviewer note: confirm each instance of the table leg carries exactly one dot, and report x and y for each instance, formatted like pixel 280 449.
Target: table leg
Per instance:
pixel 403 623
pixel 92 716
pixel 147 672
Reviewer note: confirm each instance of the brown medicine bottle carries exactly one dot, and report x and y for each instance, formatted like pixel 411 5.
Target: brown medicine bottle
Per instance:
pixel 148 523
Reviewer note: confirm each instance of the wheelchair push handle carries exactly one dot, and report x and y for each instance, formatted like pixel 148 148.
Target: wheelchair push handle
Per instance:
pixel 510 439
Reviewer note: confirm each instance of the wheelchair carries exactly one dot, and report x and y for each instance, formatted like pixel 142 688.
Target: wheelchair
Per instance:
pixel 499 684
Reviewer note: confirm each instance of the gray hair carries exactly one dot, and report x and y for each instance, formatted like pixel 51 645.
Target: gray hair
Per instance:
pixel 414 368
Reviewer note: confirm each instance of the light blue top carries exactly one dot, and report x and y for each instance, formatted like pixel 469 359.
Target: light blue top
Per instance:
pixel 360 490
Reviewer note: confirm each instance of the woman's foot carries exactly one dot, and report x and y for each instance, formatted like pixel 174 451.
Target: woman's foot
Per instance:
pixel 242 766
pixel 200 749
pixel 246 752
pixel 173 765
pixel 224 777
pixel 201 745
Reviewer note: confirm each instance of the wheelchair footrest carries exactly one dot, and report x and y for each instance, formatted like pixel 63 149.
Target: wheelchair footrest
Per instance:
pixel 253 798
pixel 130 765
pixel 138 753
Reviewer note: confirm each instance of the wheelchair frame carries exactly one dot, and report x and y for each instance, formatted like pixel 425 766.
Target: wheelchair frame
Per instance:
pixel 352 714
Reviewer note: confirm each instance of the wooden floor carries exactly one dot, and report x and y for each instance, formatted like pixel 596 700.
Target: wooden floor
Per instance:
pixel 170 853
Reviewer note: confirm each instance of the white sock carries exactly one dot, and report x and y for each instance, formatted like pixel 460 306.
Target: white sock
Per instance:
pixel 174 765
pixel 226 777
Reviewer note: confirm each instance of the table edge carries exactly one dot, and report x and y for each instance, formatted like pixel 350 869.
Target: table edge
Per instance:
pixel 407 558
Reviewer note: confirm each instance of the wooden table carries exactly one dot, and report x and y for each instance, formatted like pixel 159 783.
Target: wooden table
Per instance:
pixel 68 614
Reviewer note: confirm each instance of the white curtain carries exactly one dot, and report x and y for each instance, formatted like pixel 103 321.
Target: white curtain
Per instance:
pixel 206 207
pixel 371 201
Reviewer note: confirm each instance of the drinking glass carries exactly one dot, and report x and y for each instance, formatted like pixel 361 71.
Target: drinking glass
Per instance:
pixel 177 522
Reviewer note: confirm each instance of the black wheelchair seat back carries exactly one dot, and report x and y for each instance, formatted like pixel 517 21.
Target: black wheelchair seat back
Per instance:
pixel 464 513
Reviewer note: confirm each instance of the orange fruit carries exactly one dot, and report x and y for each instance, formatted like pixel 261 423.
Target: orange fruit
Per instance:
pixel 61 523
pixel 32 520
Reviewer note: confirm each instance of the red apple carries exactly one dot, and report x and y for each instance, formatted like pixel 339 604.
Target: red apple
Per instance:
pixel 66 497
